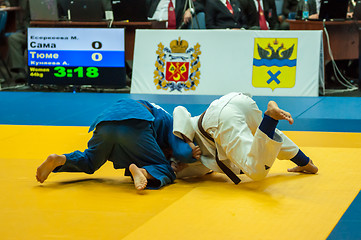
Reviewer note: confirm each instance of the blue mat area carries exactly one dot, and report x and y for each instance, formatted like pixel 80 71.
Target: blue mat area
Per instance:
pixel 79 109
pixel 348 228
pixel 332 114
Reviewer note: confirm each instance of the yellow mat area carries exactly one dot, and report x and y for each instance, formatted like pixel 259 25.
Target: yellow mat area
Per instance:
pixel 105 205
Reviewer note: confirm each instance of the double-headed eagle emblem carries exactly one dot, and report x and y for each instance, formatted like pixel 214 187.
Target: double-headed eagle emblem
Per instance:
pixel 270 53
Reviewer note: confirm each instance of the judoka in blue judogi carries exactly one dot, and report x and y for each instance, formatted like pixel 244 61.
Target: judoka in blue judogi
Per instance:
pixel 129 134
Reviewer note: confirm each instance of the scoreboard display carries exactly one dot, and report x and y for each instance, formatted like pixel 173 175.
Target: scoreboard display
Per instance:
pixel 76 56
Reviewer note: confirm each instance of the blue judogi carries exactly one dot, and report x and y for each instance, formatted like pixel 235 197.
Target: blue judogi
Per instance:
pixel 127 133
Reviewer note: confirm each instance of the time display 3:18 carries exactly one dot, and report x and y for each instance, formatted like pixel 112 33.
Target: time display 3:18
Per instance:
pixel 90 72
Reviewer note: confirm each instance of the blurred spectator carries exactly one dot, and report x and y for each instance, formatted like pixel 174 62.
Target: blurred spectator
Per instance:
pixel 279 5
pixel 260 14
pixel 107 5
pixel 17 44
pixel 222 14
pixel 290 8
pixel 63 7
pixel 4 3
pixel 178 16
pixel 281 17
pixel 353 6
pixel 197 20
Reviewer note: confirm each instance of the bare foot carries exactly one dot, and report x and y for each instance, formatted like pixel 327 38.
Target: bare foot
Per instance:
pixel 48 166
pixel 139 176
pixel 276 113
pixel 309 168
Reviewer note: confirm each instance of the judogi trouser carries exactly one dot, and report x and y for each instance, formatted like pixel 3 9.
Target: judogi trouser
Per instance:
pixel 131 132
pixel 244 144
pixel 123 143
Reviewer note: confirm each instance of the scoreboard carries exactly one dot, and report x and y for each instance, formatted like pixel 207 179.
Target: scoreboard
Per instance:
pixel 76 56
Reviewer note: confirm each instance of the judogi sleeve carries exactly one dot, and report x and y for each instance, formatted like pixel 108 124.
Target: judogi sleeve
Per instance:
pixel 182 123
pixel 163 123
pixel 182 152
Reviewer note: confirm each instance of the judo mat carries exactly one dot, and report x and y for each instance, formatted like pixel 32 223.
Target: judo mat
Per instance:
pixel 105 205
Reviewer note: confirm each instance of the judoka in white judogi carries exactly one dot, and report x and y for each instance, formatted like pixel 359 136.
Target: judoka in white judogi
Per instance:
pixel 233 121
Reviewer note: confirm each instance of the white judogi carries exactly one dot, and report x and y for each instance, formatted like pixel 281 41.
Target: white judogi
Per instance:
pixel 233 122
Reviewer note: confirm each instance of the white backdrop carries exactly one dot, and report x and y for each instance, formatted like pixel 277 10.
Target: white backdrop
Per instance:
pixel 216 62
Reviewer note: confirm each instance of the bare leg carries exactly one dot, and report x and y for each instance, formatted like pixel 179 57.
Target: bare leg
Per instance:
pixel 140 176
pixel 48 166
pixel 309 168
pixel 276 113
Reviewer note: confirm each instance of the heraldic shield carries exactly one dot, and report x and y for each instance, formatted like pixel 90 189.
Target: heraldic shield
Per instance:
pixel 274 63
pixel 177 67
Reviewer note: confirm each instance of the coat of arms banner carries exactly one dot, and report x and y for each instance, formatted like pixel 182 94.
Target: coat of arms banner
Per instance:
pixel 216 62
